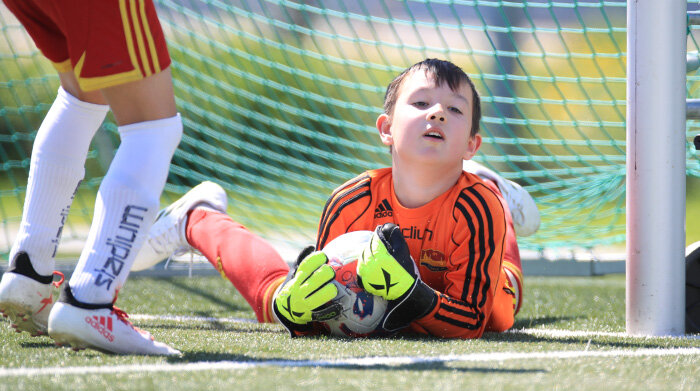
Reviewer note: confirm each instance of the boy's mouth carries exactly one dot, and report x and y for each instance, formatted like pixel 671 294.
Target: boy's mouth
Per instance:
pixel 434 134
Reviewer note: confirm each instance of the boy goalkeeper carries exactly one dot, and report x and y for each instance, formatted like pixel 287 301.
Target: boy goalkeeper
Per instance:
pixel 444 238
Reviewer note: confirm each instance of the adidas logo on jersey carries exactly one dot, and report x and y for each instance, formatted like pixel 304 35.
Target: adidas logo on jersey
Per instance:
pixel 383 210
pixel 103 325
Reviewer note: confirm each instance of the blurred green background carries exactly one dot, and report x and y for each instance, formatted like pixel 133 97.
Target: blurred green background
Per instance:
pixel 279 100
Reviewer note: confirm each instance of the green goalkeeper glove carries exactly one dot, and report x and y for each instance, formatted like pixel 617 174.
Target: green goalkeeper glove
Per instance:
pixel 386 269
pixel 307 288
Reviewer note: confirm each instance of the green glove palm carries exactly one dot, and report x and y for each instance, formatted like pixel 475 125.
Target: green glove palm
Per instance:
pixel 386 272
pixel 309 287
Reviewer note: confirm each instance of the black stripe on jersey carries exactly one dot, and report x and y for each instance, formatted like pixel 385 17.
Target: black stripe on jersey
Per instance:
pixel 489 237
pixel 481 237
pixel 458 323
pixel 327 219
pixel 485 223
pixel 342 188
pixel 457 311
pixel 472 255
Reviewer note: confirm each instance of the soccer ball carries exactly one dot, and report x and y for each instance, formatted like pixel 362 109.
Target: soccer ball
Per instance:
pixel 362 313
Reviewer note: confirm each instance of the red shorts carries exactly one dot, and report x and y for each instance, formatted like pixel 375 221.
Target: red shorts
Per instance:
pixel 104 42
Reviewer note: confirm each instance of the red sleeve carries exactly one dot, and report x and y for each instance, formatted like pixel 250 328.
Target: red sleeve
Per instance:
pixel 474 265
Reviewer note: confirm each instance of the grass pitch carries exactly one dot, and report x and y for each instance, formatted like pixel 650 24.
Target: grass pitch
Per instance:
pixel 568 335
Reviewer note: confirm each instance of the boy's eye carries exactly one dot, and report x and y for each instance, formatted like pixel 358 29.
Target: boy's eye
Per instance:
pixel 455 110
pixel 420 104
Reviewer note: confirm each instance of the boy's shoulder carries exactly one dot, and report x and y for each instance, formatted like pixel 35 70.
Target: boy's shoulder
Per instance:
pixel 473 190
pixel 467 179
pixel 379 173
pixel 470 180
pixel 366 178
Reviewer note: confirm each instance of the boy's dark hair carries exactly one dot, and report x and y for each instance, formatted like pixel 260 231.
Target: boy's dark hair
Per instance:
pixel 442 72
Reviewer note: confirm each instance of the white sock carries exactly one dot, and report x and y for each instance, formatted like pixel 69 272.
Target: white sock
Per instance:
pixel 126 205
pixel 56 169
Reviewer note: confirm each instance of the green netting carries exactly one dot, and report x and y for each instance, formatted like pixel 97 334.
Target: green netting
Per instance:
pixel 279 100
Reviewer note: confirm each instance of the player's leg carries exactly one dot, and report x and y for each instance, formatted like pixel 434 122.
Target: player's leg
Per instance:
pixel 126 206
pixel 251 264
pixel 526 216
pixel 198 219
pixel 167 234
pixel 127 59
pixel 128 197
pixel 56 170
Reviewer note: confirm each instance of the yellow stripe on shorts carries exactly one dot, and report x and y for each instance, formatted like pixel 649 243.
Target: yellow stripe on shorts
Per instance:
pixel 139 39
pixel 127 34
pixel 149 38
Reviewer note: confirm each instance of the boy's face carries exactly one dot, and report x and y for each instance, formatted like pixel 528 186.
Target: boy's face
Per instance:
pixel 430 124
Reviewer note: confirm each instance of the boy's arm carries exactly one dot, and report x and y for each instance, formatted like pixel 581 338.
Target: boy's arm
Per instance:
pixel 475 266
pixel 453 317
pixel 463 309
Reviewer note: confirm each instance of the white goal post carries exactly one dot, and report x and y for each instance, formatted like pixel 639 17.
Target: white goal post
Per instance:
pixel 656 109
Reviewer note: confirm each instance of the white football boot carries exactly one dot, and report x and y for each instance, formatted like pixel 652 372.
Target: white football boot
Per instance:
pixel 26 297
pixel 100 327
pixel 523 209
pixel 167 234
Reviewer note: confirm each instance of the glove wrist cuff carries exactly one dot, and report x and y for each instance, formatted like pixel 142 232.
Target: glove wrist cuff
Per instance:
pixel 415 304
pixel 422 299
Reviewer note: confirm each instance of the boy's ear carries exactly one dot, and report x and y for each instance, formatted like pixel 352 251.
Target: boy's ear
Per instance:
pixel 472 147
pixel 384 128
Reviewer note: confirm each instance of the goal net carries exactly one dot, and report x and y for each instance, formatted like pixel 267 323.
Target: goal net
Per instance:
pixel 279 100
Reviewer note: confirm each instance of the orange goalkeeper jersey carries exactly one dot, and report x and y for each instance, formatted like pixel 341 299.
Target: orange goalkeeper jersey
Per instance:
pixel 457 240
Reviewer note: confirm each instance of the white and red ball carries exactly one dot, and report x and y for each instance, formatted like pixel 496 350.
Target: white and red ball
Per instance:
pixel 362 313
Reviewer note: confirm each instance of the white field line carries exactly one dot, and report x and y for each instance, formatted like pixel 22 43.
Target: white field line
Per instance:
pixel 555 333
pixel 350 362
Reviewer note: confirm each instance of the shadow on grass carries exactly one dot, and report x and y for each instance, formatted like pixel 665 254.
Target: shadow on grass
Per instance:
pixel 49 343
pixel 345 364
pixel 218 326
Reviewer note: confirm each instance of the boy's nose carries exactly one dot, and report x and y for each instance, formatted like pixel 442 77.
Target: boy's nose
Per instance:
pixel 434 117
